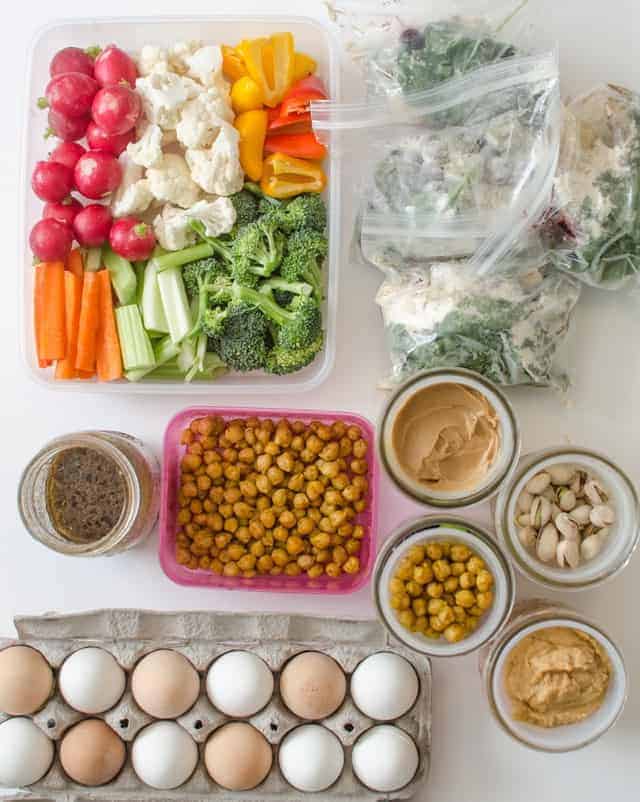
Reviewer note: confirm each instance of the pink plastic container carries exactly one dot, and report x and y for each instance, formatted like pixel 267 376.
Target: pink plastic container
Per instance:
pixel 174 450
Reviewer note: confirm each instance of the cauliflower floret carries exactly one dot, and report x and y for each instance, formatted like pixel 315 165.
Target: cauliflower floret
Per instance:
pixel 133 195
pixel 170 181
pixel 163 95
pixel 202 118
pixel 205 65
pixel 218 216
pixel 147 151
pixel 152 59
pixel 217 169
pixel 173 230
pixel 179 55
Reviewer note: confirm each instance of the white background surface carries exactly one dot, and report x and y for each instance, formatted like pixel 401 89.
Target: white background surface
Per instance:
pixel 472 759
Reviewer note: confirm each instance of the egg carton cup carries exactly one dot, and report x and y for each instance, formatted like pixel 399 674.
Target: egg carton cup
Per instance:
pixel 202 637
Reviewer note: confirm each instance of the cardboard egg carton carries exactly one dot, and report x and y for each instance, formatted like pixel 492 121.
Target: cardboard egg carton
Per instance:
pixel 201 637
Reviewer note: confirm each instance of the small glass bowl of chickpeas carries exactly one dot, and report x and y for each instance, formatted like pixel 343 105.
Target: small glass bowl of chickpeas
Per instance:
pixel 258 501
pixel 443 586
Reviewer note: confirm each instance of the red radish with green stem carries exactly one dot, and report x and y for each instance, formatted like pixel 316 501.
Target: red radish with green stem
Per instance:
pixel 97 173
pixel 67 153
pixel 113 66
pixel 72 59
pixel 132 239
pixel 97 139
pixel 69 129
pixel 92 225
pixel 50 240
pixel 65 211
pixel 116 109
pixel 70 93
pixel 51 181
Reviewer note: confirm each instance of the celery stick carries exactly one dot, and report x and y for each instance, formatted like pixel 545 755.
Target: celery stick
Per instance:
pixel 122 275
pixel 175 303
pixel 164 350
pixel 151 302
pixel 93 259
pixel 183 257
pixel 213 367
pixel 139 270
pixel 137 351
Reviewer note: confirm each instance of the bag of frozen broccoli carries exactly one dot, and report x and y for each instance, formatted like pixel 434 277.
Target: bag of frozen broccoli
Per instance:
pixel 457 137
pixel 592 228
pixel 511 328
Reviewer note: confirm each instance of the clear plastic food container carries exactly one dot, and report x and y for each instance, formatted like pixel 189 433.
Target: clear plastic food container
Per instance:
pixel 172 454
pixel 311 37
pixel 534 615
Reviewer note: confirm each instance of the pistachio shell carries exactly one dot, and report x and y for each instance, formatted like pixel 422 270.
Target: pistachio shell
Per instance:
pixel 524 501
pixel 538 483
pixel 561 474
pixel 527 536
pixel 540 513
pixel 568 554
pixel 577 485
pixel 566 499
pixel 581 514
pixel 555 511
pixel 567 528
pixel 590 547
pixel 602 515
pixel 547 543
pixel 523 519
pixel 595 493
pixel 549 494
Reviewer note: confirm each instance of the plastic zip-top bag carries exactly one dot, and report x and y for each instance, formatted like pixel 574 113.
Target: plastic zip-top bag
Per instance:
pixel 459 147
pixel 593 226
pixel 511 328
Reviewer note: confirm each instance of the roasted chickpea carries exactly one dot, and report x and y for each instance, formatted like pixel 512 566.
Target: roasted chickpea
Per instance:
pixel 322 556
pixel 475 564
pixel 484 581
pixel 413 588
pixel 351 566
pixel 407 618
pixel 457 569
pixel 353 546
pixel 454 633
pixel 435 590
pixel 280 534
pixel 315 571
pixel 359 466
pixel 339 555
pixel 467 580
pixel 265 564
pixel 441 570
pixel 434 551
pixel 423 574
pixel 358 532
pixel 419 606
pixel 268 518
pixel 484 599
pixel 465 598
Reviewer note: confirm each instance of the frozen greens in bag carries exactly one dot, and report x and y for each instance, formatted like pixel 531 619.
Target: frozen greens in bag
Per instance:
pixel 510 328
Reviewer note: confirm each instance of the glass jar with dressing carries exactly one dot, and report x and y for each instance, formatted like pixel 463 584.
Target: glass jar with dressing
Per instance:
pixel 554 680
pixel 449 438
pixel 91 493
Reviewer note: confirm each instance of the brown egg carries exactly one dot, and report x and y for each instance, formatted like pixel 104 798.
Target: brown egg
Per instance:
pixel 312 685
pixel 26 680
pixel 165 684
pixel 237 756
pixel 91 753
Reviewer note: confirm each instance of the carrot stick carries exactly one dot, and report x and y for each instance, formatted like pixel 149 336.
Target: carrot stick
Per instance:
pixel 66 368
pixel 53 340
pixel 75 263
pixel 108 358
pixel 85 374
pixel 89 321
pixel 38 314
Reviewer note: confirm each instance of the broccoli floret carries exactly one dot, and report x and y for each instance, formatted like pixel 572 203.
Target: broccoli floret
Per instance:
pixel 304 211
pixel 246 206
pixel 259 247
pixel 240 336
pixel 202 271
pixel 222 246
pixel 298 325
pixel 306 251
pixel 275 286
pixel 282 360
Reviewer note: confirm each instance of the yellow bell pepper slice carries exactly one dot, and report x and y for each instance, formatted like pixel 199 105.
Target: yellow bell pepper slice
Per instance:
pixel 303 65
pixel 246 95
pixel 270 62
pixel 284 176
pixel 252 127
pixel 232 63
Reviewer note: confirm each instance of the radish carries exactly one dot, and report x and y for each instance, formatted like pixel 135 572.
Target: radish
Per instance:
pixel 70 94
pixel 97 173
pixel 92 225
pixel 67 153
pixel 51 181
pixel 69 129
pixel 113 66
pixel 116 109
pixel 71 59
pixel 50 240
pixel 132 239
pixel 65 211
pixel 112 143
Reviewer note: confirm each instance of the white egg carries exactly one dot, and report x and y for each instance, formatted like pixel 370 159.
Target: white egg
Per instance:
pixel 311 758
pixel 239 684
pixel 400 761
pixel 384 686
pixel 25 753
pixel 91 680
pixel 164 755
